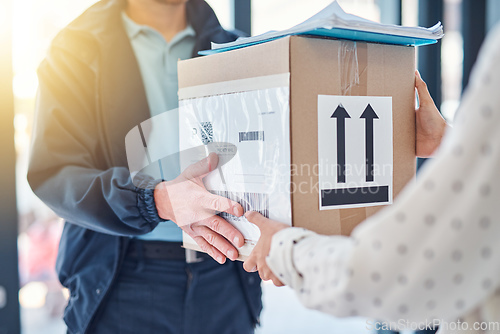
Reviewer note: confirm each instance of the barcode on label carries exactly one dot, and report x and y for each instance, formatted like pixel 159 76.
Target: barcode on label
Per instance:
pixel 249 201
pixel 252 135
pixel 207 132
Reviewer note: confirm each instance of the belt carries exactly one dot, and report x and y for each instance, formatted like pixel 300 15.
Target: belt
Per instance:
pixel 163 250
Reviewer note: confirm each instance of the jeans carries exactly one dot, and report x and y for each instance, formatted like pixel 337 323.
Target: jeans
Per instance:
pixel 166 296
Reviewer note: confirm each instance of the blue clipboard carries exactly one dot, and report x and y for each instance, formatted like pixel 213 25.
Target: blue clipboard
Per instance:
pixel 338 33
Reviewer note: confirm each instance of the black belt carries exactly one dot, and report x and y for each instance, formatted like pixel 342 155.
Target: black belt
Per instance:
pixel 161 250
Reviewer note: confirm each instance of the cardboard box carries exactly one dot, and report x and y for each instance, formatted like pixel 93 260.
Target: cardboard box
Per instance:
pixel 367 88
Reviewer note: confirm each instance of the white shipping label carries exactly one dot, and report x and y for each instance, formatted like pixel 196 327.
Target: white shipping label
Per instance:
pixel 355 151
pixel 257 175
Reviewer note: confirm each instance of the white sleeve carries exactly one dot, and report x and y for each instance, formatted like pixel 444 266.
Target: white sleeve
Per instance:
pixel 435 253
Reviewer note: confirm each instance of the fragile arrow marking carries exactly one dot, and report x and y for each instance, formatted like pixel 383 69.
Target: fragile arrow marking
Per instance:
pixel 369 115
pixel 340 114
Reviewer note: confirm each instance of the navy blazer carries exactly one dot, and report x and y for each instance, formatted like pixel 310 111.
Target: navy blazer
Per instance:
pixel 90 95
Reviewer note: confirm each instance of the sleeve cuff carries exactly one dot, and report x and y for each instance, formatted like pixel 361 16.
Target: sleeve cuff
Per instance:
pixel 280 258
pixel 146 201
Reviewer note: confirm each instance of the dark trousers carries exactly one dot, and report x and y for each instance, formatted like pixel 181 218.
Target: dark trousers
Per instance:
pixel 166 296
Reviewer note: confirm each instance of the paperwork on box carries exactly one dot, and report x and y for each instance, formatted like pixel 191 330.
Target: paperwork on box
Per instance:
pixel 256 123
pixel 333 22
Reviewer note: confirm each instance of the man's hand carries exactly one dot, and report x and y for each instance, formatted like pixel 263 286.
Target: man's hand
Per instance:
pixel 257 259
pixel 186 202
pixel 430 126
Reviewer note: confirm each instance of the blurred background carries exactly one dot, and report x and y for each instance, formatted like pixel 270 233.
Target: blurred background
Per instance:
pixel 32 302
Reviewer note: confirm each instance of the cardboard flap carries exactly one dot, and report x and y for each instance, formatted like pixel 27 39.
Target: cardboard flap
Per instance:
pixel 235 65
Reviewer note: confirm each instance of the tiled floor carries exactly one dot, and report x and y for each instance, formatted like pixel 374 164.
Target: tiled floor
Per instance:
pixel 282 314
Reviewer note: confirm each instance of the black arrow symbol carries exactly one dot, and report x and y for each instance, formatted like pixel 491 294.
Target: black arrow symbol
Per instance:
pixel 340 114
pixel 369 115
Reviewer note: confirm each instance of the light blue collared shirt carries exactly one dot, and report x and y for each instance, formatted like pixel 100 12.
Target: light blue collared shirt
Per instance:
pixel 157 60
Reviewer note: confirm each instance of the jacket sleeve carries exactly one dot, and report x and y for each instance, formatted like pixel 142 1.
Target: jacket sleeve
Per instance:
pixel 67 168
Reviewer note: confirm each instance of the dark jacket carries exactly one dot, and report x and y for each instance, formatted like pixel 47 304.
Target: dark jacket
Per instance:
pixel 90 95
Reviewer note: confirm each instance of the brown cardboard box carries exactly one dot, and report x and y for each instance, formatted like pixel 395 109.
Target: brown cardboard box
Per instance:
pixel 322 67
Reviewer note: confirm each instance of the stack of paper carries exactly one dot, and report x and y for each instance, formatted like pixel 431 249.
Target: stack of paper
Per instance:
pixel 335 23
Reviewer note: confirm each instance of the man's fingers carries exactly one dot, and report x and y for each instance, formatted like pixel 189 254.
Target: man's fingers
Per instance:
pixel 202 167
pixel 222 204
pixel 209 249
pixel 217 241
pixel 225 229
pixel 256 218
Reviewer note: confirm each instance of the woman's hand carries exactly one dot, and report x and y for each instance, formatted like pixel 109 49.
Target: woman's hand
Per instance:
pixel 430 126
pixel 257 259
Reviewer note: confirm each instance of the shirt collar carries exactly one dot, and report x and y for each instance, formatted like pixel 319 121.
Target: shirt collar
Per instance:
pixel 188 32
pixel 133 29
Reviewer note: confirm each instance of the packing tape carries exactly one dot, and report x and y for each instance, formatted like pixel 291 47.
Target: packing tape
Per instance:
pixel 353 61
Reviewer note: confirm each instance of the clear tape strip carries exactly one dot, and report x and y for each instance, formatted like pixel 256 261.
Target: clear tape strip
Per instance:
pixel 348 66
